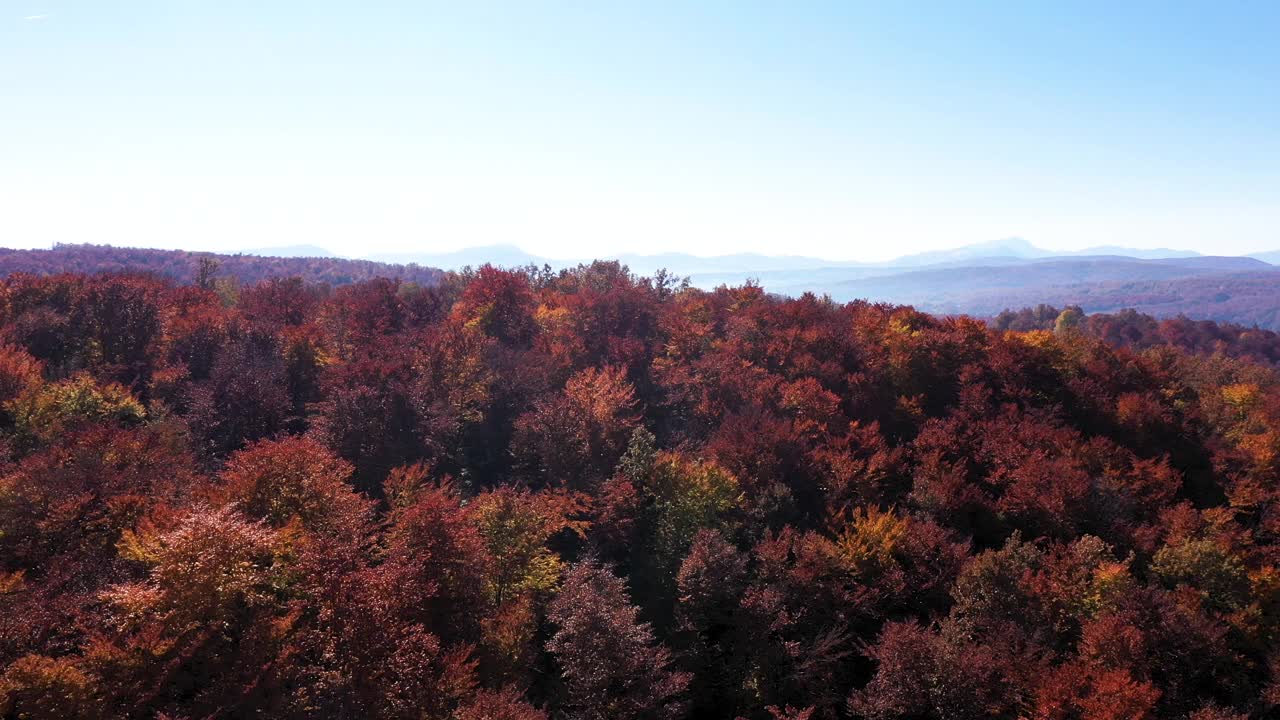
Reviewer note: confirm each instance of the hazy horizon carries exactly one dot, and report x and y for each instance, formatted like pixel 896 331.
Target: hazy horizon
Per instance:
pixel 988 249
pixel 836 132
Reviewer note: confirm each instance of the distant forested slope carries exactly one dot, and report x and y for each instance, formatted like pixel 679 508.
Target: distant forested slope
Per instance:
pixel 1251 298
pixel 1227 289
pixel 1138 331
pixel 184 266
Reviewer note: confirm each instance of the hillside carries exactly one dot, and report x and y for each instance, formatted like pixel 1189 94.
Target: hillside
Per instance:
pixel 586 494
pixel 1229 289
pixel 1138 331
pixel 1242 298
pixel 184 266
pixel 738 266
pixel 980 279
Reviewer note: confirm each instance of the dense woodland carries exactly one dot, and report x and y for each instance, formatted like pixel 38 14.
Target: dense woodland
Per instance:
pixel 1138 331
pixel 586 495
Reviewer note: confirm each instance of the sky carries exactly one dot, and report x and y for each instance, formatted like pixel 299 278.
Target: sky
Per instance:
pixel 845 130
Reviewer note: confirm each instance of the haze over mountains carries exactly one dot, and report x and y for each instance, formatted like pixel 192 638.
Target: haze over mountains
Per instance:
pixel 979 280
pixel 1002 251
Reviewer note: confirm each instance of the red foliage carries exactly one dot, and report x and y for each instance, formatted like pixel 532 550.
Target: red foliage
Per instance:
pixel 292 479
pixel 385 500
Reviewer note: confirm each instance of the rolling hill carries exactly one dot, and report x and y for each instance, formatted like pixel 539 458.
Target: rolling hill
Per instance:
pixel 979 280
pixel 182 265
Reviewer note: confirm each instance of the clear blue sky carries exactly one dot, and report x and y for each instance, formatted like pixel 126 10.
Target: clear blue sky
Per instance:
pixel 842 129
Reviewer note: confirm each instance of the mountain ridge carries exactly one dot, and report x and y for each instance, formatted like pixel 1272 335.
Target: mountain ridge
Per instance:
pixel 1237 289
pixel 1006 250
pixel 511 255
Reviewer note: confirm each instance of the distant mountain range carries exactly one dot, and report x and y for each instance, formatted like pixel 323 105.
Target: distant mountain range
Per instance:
pixel 498 255
pixel 1023 250
pixel 290 251
pixel 979 280
pixel 678 263
pixel 1005 251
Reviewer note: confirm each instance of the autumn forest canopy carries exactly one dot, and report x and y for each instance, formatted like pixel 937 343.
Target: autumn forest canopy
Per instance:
pixel 522 495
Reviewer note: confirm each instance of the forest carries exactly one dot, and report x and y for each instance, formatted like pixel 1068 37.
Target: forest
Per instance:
pixel 185 266
pixel 1131 329
pixel 527 495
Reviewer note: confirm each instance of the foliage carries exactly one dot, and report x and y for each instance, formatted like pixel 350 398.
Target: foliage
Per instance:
pixel 610 661
pixel 293 478
pixel 43 414
pixel 522 494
